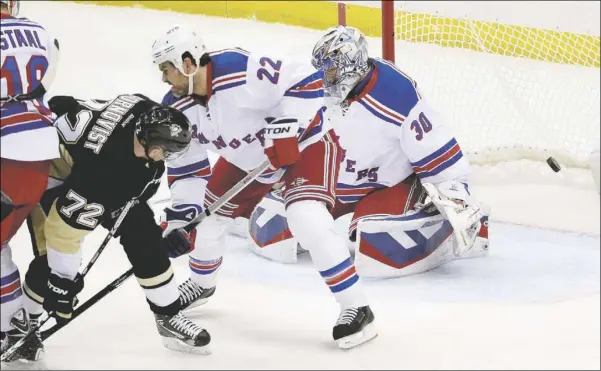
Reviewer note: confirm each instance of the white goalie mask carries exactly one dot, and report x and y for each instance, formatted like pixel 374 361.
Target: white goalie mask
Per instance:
pixel 342 56
pixel 172 46
pixel 13 6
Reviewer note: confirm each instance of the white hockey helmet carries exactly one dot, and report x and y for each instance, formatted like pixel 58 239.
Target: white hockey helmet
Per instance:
pixel 342 55
pixel 13 6
pixel 172 46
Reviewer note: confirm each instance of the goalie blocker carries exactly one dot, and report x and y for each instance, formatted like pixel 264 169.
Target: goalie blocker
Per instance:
pixel 390 239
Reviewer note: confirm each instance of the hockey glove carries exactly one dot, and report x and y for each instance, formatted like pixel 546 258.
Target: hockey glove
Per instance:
pixel 61 104
pixel 451 199
pixel 178 216
pixel 179 242
pixel 60 296
pixel 281 145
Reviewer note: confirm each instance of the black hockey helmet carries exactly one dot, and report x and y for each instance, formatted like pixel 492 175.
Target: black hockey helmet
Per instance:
pixel 165 127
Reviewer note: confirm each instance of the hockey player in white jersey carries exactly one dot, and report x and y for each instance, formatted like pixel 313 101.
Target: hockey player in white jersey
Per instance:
pixel 250 108
pixel 28 59
pixel 403 176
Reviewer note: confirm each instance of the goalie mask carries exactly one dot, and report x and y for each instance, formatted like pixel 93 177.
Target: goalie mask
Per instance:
pixel 13 6
pixel 342 56
pixel 167 128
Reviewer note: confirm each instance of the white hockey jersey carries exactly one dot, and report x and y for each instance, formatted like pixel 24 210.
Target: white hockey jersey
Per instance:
pixel 244 90
pixel 26 125
pixel 389 132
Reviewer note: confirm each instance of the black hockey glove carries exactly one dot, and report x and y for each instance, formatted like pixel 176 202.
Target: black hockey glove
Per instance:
pixel 61 104
pixel 60 296
pixel 179 242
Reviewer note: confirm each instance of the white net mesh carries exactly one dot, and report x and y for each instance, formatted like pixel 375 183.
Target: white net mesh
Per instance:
pixel 509 92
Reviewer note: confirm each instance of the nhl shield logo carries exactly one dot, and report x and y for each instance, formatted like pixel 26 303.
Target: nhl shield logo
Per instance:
pixel 175 130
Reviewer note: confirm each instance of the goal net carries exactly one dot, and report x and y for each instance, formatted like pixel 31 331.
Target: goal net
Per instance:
pixel 509 91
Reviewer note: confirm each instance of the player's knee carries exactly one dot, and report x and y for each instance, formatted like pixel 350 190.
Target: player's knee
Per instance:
pixel 144 251
pixel 310 222
pixel 212 228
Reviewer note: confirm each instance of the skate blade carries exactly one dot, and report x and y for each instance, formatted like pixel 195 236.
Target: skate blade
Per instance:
pixel 179 346
pixel 196 304
pixel 369 332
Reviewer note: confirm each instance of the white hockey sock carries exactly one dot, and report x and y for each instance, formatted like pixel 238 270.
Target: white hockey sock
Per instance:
pixel 313 226
pixel 11 294
pixel 206 258
pixel 160 290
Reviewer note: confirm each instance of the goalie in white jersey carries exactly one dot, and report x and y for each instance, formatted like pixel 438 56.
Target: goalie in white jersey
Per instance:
pixel 403 175
pixel 250 108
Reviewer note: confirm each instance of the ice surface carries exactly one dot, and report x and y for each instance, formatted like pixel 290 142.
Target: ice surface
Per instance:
pixel 533 303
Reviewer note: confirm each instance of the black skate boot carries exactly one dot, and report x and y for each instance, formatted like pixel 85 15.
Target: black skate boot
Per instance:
pixel 181 334
pixel 191 295
pixel 354 326
pixel 33 349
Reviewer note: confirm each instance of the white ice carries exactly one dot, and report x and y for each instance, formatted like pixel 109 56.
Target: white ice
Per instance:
pixel 533 303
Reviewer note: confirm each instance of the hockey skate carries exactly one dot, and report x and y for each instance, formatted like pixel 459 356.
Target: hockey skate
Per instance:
pixel 192 295
pixel 33 349
pixel 354 327
pixel 182 335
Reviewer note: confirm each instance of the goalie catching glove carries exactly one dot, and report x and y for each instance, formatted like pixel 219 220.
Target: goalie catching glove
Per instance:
pixel 281 145
pixel 451 199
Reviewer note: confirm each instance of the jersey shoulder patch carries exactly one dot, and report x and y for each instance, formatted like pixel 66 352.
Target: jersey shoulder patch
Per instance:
pixel 394 94
pixel 228 68
pixel 309 87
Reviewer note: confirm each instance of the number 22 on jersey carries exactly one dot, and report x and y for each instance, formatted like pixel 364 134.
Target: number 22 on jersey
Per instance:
pixel 270 70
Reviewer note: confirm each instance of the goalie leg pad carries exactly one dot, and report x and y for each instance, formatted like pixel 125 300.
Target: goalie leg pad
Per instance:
pixel 392 239
pixel 393 201
pixel 398 246
pixel 270 236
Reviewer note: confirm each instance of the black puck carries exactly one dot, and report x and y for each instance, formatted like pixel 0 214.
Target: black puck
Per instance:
pixel 553 164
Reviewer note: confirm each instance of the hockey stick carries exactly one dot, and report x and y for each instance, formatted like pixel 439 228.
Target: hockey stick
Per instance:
pixel 227 196
pixel 10 351
pixel 118 281
pixel 88 303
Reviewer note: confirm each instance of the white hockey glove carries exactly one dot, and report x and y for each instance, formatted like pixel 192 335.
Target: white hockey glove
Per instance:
pixel 178 216
pixel 451 199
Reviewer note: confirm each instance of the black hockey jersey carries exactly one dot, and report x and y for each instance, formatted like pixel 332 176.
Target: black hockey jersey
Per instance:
pixel 97 138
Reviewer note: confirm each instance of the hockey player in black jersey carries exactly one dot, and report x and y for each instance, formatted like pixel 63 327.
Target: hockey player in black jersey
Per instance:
pixel 112 151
